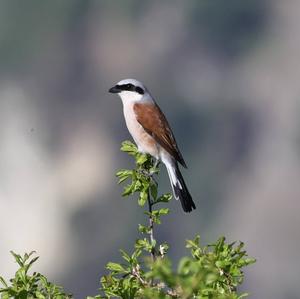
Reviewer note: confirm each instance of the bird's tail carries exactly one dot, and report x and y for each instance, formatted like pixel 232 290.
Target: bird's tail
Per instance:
pixel 179 188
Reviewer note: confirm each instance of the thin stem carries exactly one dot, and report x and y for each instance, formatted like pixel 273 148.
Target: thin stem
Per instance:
pixel 151 225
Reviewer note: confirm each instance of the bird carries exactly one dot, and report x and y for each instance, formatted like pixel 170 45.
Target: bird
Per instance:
pixel 152 134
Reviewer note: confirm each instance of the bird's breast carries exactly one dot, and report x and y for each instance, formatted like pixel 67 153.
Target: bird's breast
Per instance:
pixel 145 142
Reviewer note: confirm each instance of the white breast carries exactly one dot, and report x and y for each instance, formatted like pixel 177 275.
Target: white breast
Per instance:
pixel 132 124
pixel 143 140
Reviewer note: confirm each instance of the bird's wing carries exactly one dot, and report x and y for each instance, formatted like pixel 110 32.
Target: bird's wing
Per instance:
pixel 155 124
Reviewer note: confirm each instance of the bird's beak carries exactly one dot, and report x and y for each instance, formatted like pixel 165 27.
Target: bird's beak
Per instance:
pixel 114 89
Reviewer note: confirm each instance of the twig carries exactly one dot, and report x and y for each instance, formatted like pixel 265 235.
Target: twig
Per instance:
pixel 151 225
pixel 136 273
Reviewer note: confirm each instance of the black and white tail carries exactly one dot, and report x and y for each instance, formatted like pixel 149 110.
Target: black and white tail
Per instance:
pixel 179 188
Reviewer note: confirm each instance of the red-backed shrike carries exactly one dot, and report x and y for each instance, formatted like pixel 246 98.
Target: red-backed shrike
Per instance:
pixel 151 132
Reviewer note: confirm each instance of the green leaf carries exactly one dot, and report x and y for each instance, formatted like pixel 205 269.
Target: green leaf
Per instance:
pixel 144 229
pixel 18 259
pixel 39 295
pixel 115 267
pixel 122 179
pixel 193 243
pixel 2 280
pixel 244 295
pixel 249 261
pixel 143 244
pixel 33 261
pixel 123 175
pixel 184 265
pixel 165 198
pixel 142 158
pixel 163 211
pixel 125 255
pixel 128 190
pixel 136 254
pixel 153 191
pixel 129 147
pixel 153 243
pixel 137 186
pixel 143 198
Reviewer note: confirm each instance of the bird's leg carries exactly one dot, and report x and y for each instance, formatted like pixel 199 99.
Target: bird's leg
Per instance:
pixel 156 163
pixel 152 171
pixel 154 167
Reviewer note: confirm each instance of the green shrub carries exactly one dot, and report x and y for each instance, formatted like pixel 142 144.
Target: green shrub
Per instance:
pixel 213 271
pixel 26 286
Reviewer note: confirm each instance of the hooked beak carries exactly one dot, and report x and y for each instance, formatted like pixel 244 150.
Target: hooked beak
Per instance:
pixel 114 89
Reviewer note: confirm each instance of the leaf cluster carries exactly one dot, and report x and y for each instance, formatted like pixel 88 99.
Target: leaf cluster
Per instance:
pixel 141 179
pixel 28 286
pixel 213 271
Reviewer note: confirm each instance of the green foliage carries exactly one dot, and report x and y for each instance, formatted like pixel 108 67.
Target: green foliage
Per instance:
pixel 213 271
pixel 208 272
pixel 141 181
pixel 26 286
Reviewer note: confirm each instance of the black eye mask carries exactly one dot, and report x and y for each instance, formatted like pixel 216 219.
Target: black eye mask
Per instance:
pixel 131 87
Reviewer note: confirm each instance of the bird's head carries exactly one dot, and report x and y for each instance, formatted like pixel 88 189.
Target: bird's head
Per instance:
pixel 130 90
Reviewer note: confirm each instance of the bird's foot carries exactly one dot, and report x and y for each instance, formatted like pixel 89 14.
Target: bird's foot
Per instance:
pixel 154 169
pixel 149 174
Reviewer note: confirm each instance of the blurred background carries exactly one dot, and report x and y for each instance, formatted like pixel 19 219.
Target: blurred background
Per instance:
pixel 226 74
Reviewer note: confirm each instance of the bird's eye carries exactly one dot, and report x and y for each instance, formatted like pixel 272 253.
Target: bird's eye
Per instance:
pixel 139 90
